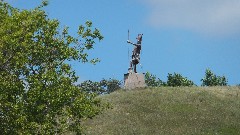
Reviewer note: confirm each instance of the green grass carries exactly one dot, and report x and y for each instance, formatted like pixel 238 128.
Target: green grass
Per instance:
pixel 168 110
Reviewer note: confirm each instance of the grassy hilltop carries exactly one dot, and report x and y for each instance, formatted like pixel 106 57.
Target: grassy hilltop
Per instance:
pixel 170 110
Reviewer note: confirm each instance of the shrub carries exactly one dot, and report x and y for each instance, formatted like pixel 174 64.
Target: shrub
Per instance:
pixel 211 79
pixel 177 80
pixel 152 81
pixel 103 87
pixel 111 85
pixel 92 87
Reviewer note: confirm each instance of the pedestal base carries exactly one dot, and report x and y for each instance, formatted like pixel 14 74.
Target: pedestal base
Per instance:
pixel 134 80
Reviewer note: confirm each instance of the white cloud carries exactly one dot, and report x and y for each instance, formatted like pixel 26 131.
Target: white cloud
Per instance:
pixel 211 17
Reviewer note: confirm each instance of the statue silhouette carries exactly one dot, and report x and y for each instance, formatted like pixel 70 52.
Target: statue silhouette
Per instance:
pixel 135 53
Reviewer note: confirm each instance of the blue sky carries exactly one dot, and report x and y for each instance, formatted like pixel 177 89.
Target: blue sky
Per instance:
pixel 182 36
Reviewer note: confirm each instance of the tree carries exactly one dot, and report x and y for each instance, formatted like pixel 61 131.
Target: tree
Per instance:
pixel 110 85
pixel 211 79
pixel 89 86
pixel 152 81
pixel 178 80
pixel 103 87
pixel 37 91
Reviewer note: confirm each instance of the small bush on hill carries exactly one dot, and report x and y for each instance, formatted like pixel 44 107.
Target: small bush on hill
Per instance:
pixel 102 87
pixel 152 81
pixel 91 87
pixel 178 80
pixel 111 85
pixel 211 79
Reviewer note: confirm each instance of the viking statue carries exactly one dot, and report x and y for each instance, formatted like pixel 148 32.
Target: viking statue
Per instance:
pixel 135 53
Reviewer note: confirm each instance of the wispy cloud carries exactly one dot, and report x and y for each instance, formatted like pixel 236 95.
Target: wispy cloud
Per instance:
pixel 211 17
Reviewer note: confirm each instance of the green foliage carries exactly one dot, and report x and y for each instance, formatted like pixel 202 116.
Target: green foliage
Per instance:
pixel 111 85
pixel 173 80
pixel 102 87
pixel 178 80
pixel 91 87
pixel 211 79
pixel 37 91
pixel 152 81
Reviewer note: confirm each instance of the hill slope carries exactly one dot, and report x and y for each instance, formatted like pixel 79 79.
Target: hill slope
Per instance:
pixel 184 110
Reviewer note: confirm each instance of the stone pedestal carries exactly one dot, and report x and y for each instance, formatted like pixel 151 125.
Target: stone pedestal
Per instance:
pixel 134 80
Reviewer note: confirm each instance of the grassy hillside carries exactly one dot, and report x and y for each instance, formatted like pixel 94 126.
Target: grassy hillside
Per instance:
pixel 183 110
